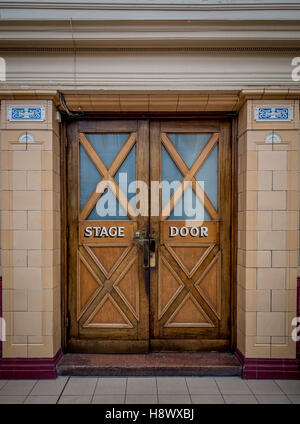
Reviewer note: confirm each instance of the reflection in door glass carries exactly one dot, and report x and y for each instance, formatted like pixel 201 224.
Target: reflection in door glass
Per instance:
pixel 89 177
pixel 190 146
pixel 209 174
pixel 107 147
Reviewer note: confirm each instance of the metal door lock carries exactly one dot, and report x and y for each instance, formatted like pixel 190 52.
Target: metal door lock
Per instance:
pixel 149 248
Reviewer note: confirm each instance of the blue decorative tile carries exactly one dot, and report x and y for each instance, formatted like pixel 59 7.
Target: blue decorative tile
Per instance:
pixel 26 113
pixel 273 113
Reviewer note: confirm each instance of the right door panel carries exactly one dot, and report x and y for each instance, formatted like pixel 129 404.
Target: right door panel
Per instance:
pixel 190 287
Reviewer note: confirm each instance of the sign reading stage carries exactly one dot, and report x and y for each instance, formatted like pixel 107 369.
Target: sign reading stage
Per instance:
pixel 94 232
pixel 104 232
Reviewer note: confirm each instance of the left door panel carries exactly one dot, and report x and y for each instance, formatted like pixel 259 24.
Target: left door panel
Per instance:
pixel 107 284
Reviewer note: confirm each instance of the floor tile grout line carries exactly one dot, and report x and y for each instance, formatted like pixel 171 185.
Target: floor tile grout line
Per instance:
pixel 125 395
pixel 187 386
pixel 185 378
pixel 156 390
pixel 219 390
pixel 269 395
pixel 279 387
pixel 256 399
pixel 251 390
pixel 60 395
pixel 93 395
pixel 289 398
pixel 8 381
pixel 143 394
pixel 282 392
pixel 223 394
pixel 243 394
pixel 36 382
pixel 4 385
pixel 175 394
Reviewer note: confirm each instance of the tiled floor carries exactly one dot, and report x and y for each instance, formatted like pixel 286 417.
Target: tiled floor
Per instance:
pixel 134 390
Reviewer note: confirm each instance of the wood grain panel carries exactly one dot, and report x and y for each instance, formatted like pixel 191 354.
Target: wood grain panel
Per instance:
pixel 189 256
pixel 189 126
pixel 108 314
pixel 169 286
pixel 209 285
pixel 127 286
pixel 189 314
pixel 108 257
pixel 89 285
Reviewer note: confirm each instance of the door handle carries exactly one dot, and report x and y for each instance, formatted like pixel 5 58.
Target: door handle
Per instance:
pixel 146 253
pixel 149 248
pixel 152 253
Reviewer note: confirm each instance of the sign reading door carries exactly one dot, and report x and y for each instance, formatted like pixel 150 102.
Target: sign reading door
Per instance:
pixel 149 218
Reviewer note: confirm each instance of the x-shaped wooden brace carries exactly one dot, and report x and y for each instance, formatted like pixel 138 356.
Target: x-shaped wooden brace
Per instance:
pixel 107 175
pixel 189 175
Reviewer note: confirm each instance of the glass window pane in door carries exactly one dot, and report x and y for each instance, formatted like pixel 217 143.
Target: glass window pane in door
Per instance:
pixel 208 174
pixel 107 147
pixel 189 145
pixel 89 177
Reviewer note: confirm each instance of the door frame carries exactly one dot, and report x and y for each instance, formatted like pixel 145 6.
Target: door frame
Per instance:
pixel 232 118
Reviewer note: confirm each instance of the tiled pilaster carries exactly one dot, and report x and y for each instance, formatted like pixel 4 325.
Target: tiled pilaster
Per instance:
pixel 30 234
pixel 268 233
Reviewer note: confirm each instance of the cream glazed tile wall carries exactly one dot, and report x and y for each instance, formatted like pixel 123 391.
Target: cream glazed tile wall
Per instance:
pixel 30 234
pixel 268 233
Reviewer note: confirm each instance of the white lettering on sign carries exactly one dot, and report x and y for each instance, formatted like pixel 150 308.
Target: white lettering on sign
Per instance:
pixel 185 231
pixel 104 232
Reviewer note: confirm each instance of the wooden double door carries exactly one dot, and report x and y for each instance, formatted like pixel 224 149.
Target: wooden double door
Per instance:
pixel 149 235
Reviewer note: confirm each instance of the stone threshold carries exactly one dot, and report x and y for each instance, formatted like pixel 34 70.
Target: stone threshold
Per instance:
pixel 151 364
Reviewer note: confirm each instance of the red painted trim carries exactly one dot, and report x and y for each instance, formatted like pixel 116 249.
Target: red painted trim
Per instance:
pixel 298 313
pixel 257 368
pixel 28 368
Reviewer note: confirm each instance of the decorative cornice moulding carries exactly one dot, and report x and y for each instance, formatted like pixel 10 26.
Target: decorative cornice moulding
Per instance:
pixel 175 10
pixel 215 50
pixel 154 5
pixel 157 33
